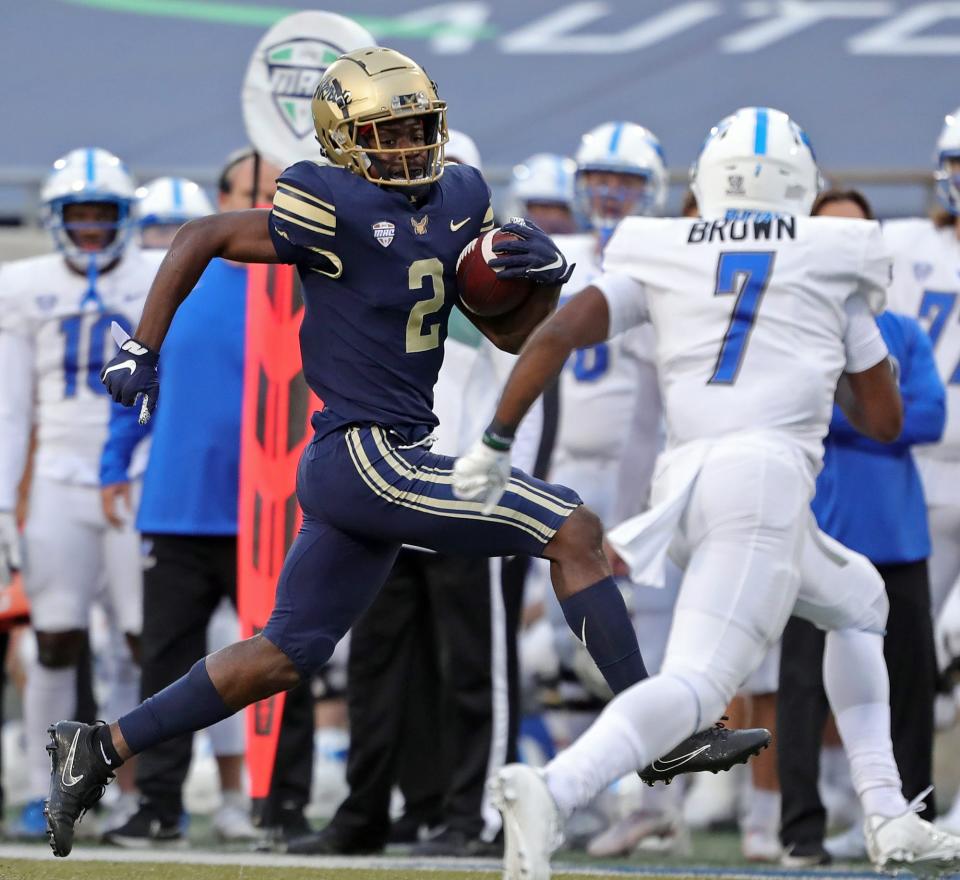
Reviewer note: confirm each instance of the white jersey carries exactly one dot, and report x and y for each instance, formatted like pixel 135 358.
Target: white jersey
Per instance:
pixel 52 349
pixel 755 318
pixel 609 404
pixel 926 283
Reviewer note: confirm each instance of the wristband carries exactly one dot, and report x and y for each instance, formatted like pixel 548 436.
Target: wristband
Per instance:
pixel 497 440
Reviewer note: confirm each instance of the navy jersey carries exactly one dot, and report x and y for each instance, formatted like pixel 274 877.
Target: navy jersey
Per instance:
pixel 379 282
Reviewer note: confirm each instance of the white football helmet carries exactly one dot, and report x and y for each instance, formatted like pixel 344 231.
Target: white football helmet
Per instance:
pixel 86 175
pixel 170 201
pixel 757 159
pixel 621 148
pixel 463 149
pixel 948 147
pixel 542 177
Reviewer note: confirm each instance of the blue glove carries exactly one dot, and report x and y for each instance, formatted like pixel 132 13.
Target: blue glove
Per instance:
pixel 534 256
pixel 132 373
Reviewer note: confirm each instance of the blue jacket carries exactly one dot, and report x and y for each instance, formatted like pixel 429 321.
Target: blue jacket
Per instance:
pixel 190 486
pixel 869 496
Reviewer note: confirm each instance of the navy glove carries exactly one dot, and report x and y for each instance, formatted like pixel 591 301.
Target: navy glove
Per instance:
pixel 534 256
pixel 132 373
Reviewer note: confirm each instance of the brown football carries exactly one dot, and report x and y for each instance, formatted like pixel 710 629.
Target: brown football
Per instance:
pixel 482 291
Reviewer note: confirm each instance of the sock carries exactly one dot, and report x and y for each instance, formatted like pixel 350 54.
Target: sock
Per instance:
pixel 598 617
pixel 50 695
pixel 763 810
pixel 190 703
pixel 108 755
pixel 856 682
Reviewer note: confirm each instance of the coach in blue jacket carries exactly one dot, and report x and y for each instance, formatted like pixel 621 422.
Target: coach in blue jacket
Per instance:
pixel 870 498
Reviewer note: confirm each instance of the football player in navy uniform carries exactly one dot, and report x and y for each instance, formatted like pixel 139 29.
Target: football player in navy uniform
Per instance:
pixel 375 238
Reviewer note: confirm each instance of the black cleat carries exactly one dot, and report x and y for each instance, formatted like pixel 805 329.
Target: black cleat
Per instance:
pixel 77 780
pixel 717 748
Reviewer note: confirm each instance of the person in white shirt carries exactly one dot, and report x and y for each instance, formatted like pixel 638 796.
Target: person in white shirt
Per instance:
pixel 926 283
pixel 56 312
pixel 759 312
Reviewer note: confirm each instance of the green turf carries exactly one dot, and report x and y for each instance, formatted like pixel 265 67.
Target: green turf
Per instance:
pixel 20 869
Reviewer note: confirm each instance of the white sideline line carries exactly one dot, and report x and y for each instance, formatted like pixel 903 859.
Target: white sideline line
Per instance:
pixel 82 853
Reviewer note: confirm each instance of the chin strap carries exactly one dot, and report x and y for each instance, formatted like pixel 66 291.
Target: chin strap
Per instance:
pixel 91 297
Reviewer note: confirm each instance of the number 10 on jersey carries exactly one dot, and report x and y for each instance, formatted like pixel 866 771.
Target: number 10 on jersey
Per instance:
pixel 746 274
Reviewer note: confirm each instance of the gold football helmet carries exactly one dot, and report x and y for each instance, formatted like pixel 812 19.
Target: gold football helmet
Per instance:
pixel 365 89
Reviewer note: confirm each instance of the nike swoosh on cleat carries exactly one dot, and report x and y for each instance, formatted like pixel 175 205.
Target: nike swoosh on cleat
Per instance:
pixel 554 265
pixel 130 365
pixel 661 765
pixel 69 780
pixel 102 752
pixel 455 226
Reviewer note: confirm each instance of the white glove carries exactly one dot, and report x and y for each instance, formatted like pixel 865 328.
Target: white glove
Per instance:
pixel 482 475
pixel 947 631
pixel 9 546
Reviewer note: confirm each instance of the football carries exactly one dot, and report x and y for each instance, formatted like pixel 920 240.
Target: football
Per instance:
pixel 482 291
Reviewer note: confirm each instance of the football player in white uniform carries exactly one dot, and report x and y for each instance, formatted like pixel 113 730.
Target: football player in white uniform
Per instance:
pixel 541 189
pixel 164 205
pixel 926 283
pixel 759 313
pixel 55 316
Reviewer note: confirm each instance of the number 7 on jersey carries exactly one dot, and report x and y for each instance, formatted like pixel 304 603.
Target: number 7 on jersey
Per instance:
pixel 746 274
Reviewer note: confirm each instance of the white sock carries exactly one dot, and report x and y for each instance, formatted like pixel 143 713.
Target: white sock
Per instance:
pixel 834 767
pixel 50 695
pixel 762 811
pixel 855 678
pixel 642 723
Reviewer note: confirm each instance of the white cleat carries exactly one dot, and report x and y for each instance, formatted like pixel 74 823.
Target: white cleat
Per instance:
pixel 624 835
pixel 531 821
pixel 761 845
pixel 909 840
pixel 231 821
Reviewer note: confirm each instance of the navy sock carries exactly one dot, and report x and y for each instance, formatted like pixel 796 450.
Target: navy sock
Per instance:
pixel 599 618
pixel 112 759
pixel 190 703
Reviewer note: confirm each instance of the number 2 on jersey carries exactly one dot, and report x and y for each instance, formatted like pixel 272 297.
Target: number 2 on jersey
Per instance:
pixel 419 271
pixel 746 274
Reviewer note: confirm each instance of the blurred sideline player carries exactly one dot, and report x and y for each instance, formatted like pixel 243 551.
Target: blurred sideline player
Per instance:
pixel 926 283
pixel 188 511
pixel 541 189
pixel 55 319
pixel 752 339
pixel 372 346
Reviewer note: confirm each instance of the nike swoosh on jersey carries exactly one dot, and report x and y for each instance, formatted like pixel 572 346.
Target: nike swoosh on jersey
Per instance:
pixel 455 226
pixel 67 776
pixel 130 365
pixel 554 265
pixel 678 762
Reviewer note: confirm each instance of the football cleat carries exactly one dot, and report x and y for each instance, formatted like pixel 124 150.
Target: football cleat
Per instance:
pixel 715 749
pixel 77 780
pixel 531 821
pixel 909 840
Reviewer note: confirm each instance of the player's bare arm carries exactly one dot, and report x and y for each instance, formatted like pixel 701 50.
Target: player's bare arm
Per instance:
pixel 583 321
pixel 510 331
pixel 871 401
pixel 242 236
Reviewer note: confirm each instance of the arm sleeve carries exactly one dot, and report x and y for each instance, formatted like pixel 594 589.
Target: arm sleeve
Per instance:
pixel 626 301
pixel 862 341
pixel 123 435
pixel 924 397
pixel 303 225
pixel 876 270
pixel 16 411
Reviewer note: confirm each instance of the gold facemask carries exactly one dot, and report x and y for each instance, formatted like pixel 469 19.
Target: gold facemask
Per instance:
pixel 366 88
